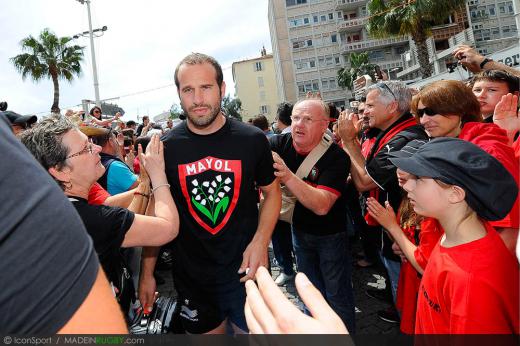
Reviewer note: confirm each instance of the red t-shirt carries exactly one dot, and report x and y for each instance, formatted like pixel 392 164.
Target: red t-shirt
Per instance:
pixel 470 289
pixel 409 279
pixel 494 140
pixel 97 195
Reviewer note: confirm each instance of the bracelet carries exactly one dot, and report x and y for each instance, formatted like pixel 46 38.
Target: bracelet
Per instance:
pixel 142 194
pixel 158 186
pixel 484 62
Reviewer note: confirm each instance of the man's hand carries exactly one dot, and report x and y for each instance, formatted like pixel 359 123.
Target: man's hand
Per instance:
pixel 468 57
pixel 268 311
pixel 347 126
pixel 254 256
pixel 147 292
pixel 281 169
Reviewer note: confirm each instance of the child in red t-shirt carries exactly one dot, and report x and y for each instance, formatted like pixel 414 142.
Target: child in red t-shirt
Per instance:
pixel 415 236
pixel 470 285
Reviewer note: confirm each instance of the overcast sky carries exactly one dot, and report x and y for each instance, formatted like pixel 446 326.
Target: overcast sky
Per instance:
pixel 139 51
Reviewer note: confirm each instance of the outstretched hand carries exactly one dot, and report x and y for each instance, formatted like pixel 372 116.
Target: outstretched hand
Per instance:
pixel 268 311
pixel 385 216
pixel 348 126
pixel 506 115
pixel 153 160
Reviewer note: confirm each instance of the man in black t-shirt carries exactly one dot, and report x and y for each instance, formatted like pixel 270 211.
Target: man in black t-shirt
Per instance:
pixel 214 165
pixel 387 108
pixel 319 219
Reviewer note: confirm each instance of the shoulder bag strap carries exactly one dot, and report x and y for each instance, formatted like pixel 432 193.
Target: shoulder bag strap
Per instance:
pixel 314 156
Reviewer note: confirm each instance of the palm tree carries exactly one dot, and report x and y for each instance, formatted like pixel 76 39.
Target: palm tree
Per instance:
pixel 359 66
pixel 51 57
pixel 410 17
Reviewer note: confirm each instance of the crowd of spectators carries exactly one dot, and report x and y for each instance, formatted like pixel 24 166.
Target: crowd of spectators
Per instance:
pixel 427 180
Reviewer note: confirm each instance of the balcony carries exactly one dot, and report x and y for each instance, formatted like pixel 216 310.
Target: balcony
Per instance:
pixel 352 25
pixel 348 47
pixel 342 5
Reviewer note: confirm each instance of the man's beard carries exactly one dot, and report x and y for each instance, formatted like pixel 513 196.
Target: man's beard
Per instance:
pixel 205 121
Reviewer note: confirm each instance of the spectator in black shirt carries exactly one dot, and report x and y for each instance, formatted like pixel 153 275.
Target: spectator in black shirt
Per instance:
pixel 74 163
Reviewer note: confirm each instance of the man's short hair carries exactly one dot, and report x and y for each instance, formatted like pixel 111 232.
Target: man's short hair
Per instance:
pixel 199 58
pixel 261 122
pixel 131 123
pixel 324 106
pixel 146 117
pixel 513 82
pixel 393 91
pixel 283 113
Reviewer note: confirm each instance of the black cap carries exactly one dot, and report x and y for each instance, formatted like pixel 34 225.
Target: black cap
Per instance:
pixel 410 148
pixel 17 119
pixel 461 163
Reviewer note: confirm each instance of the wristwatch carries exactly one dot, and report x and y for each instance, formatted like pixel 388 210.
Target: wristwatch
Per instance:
pixel 484 62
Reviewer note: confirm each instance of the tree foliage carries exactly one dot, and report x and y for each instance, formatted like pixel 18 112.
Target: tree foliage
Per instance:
pixel 49 56
pixel 410 17
pixel 111 109
pixel 359 66
pixel 232 107
pixel 175 111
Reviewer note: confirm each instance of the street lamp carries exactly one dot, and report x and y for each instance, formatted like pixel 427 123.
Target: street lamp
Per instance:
pixel 94 69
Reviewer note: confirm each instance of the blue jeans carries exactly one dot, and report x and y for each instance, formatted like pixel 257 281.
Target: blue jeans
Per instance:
pixel 393 268
pixel 283 247
pixel 326 262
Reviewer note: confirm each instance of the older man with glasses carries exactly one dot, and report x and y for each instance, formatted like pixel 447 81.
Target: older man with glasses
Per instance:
pixel 319 221
pixel 387 108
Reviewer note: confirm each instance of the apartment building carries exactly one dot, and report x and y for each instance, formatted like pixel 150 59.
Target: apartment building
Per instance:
pixel 312 40
pixel 494 24
pixel 256 87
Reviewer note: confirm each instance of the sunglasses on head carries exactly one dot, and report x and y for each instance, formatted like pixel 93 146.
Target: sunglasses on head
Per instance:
pixel 428 111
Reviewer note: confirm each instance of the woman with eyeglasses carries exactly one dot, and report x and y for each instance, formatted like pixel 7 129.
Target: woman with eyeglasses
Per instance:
pixel 449 108
pixel 96 118
pixel 74 163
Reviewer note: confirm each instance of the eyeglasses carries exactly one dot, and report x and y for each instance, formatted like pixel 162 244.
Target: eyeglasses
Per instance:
pixel 89 148
pixel 380 84
pixel 428 111
pixel 305 120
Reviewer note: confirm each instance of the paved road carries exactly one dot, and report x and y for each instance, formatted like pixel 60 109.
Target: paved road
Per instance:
pixel 366 314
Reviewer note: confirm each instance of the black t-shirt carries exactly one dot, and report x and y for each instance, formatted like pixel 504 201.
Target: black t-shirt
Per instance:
pixel 48 264
pixel 107 226
pixel 329 173
pixel 383 172
pixel 213 182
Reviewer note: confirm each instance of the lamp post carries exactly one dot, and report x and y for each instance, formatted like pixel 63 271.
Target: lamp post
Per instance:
pixel 93 53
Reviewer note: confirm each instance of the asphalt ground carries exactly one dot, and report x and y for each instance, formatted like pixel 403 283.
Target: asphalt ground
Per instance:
pixel 367 321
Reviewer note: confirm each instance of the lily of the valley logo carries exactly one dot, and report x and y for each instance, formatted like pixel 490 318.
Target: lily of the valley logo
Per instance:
pixel 210 198
pixel 211 188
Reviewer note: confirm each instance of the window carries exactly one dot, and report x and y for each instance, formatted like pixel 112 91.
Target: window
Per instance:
pixel 309 43
pixel 264 109
pixel 312 63
pixel 262 95
pixel 261 82
pixel 336 59
pixel 331 16
pixel 491 10
pixel 510 7
pixel 325 84
pixel 502 8
pixel 486 34
pixel 323 18
pixel 258 66
pixel 306 20
pixel 334 38
pixel 495 33
pixel 332 83
pixel 315 19
pixel 294 2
